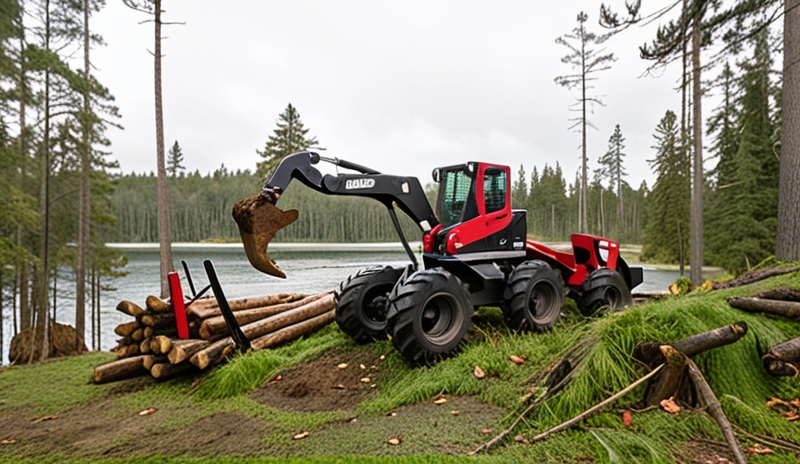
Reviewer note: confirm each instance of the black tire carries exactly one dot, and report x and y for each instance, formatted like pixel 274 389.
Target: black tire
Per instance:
pixel 433 313
pixel 361 302
pixel 604 288
pixel 533 296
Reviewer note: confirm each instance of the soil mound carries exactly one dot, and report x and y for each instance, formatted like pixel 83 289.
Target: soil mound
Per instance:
pixel 324 384
pixel 64 341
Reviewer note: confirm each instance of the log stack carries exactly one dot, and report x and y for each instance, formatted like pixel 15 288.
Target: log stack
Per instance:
pixel 149 343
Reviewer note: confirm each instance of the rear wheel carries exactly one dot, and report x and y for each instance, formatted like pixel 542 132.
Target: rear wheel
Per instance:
pixel 434 312
pixel 533 296
pixel 604 288
pixel 361 302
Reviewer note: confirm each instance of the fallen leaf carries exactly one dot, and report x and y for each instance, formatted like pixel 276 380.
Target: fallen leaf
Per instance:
pixel 479 372
pixel 382 357
pixel 147 411
pixel 338 386
pixel 373 385
pixel 670 406
pixel 440 400
pixel 45 418
pixel 533 390
pixel 778 402
pixel 391 413
pixel 276 378
pixel 795 403
pixel 758 449
pixel 455 412
pixel 485 431
pixel 674 289
pixel 374 367
pixel 363 367
pixel 516 359
pixel 365 380
pixel 8 441
pixel 342 366
pixel 393 441
pixel 300 436
pixel 627 418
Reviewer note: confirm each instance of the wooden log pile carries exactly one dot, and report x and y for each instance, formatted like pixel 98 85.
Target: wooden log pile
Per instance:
pixel 149 343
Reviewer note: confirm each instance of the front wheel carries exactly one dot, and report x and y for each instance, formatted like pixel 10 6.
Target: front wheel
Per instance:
pixel 361 302
pixel 533 296
pixel 432 313
pixel 604 288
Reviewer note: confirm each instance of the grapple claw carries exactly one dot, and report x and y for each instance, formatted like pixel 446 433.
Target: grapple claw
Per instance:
pixel 259 220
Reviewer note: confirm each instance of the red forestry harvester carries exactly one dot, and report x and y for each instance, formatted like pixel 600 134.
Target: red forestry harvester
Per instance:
pixel 475 253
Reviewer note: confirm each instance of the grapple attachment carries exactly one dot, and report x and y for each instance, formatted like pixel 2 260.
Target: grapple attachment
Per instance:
pixel 259 220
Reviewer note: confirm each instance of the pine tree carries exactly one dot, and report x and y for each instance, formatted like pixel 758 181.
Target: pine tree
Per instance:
pixel 289 137
pixel 175 160
pixel 587 61
pixel 665 237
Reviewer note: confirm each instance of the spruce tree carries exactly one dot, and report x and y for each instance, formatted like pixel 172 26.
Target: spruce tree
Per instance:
pixel 666 234
pixel 519 191
pixel 613 170
pixel 289 137
pixel 175 160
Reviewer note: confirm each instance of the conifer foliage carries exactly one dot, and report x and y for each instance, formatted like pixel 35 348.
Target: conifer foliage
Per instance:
pixel 289 137
pixel 175 161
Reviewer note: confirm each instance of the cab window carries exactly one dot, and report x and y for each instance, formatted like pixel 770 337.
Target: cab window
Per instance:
pixel 494 189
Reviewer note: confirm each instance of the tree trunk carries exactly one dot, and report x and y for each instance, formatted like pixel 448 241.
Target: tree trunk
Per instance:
pixel 164 234
pixel 84 191
pixel 271 324
pixel 696 245
pixel 164 370
pixel 205 309
pixel 182 350
pixel 788 241
pixel 584 220
pixel 131 309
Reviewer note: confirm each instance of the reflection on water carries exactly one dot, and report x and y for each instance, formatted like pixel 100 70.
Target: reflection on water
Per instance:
pixel 306 271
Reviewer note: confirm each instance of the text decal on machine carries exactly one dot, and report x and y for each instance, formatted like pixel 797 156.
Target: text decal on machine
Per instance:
pixel 351 184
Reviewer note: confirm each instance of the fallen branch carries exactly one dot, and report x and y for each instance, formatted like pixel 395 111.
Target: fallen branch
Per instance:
pixel 577 419
pixel 750 277
pixel 715 410
pixel 783 359
pixel 771 440
pixel 119 369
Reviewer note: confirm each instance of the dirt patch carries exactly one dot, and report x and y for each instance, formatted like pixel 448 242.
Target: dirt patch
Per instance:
pixel 322 385
pixel 704 452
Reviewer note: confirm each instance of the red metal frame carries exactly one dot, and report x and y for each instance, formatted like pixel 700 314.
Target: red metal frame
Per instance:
pixel 178 305
pixel 574 272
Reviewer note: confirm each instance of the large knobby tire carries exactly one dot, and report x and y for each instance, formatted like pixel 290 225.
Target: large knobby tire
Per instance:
pixel 604 288
pixel 361 302
pixel 433 313
pixel 533 296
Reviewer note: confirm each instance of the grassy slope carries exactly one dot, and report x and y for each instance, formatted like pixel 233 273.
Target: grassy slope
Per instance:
pixel 734 372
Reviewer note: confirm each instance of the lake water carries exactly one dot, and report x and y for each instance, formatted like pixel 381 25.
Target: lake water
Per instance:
pixel 309 269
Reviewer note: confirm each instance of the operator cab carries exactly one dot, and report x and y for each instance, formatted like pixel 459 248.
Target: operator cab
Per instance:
pixel 473 206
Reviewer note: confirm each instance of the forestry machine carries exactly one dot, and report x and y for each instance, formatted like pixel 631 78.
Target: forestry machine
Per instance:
pixel 475 253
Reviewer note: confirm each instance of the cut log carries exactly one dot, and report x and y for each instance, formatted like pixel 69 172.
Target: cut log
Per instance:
pixel 148 332
pixel 182 350
pixel 666 384
pixel 157 321
pixel 131 309
pixel 784 293
pixel 783 359
pixel 137 335
pixel 260 328
pixel 133 350
pixel 788 309
pixel 126 329
pixel 210 355
pixel 158 305
pixel 165 369
pixel 292 332
pixel 150 360
pixel 210 308
pixel 161 344
pixel 750 277
pixel 145 347
pixel 119 370
pixel 217 325
pixel 651 354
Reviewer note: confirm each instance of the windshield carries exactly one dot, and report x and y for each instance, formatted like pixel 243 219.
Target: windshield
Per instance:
pixel 454 190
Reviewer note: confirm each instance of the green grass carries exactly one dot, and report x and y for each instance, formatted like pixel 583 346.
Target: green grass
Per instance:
pixel 601 350
pixel 33 386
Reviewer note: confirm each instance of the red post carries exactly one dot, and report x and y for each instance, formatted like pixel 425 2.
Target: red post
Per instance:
pixel 176 294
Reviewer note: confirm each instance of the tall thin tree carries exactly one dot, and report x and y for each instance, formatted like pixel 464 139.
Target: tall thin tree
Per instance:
pixel 588 61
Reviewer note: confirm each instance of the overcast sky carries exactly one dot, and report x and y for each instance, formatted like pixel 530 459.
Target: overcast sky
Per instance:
pixel 400 86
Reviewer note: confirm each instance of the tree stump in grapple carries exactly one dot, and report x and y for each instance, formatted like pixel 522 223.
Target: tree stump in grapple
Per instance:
pixel 259 220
